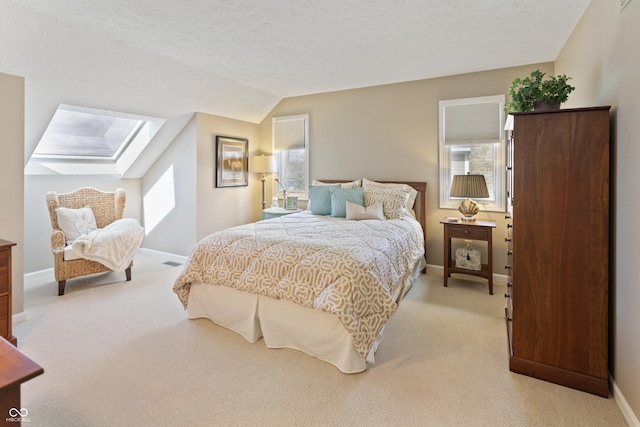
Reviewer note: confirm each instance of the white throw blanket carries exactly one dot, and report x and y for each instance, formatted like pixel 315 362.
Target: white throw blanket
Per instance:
pixel 112 246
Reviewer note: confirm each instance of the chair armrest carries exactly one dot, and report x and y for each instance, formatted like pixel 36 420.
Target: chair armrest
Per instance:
pixel 58 241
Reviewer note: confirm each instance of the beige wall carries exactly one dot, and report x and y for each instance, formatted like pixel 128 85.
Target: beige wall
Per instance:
pixel 11 178
pixel 602 57
pixel 390 132
pixel 220 208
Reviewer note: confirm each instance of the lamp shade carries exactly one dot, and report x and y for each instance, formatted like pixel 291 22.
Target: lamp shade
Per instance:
pixel 471 186
pixel 263 164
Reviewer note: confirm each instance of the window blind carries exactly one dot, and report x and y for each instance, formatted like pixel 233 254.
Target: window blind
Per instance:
pixel 288 134
pixel 474 122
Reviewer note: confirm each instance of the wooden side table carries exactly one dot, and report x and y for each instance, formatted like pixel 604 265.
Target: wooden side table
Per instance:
pixel 470 230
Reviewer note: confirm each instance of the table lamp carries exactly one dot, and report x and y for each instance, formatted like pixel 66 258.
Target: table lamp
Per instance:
pixel 469 186
pixel 264 165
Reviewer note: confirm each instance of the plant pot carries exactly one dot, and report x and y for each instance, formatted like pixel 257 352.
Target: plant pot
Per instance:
pixel 544 106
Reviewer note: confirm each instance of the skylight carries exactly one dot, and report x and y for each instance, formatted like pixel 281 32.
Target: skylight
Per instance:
pixel 87 141
pixel 77 133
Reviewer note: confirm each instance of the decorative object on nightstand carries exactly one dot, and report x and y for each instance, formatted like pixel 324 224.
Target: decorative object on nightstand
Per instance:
pixel 264 165
pixel 468 257
pixel 469 186
pixel 284 192
pixel 292 202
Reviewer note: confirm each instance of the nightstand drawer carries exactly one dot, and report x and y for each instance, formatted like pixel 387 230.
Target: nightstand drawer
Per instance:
pixel 470 233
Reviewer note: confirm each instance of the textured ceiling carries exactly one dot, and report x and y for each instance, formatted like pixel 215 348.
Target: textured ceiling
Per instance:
pixel 239 58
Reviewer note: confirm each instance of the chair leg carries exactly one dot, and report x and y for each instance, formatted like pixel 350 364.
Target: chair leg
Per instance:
pixel 128 273
pixel 61 284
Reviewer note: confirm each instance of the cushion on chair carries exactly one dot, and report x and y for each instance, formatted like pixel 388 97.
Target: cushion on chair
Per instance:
pixel 75 222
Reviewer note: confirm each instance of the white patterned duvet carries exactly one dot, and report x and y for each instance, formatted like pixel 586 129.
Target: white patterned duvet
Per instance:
pixel 354 270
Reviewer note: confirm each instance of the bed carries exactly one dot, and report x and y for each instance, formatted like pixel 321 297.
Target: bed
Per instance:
pixel 319 283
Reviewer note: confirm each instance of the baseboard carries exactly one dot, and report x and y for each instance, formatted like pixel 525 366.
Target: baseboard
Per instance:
pixel 19 318
pixel 626 410
pixel 166 255
pixel 439 270
pixel 40 274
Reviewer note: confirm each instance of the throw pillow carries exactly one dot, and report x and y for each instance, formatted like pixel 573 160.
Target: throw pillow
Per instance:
pixel 340 197
pixel 357 212
pixel 321 196
pixel 76 222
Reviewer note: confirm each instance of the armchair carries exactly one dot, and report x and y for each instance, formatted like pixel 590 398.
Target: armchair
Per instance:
pixel 106 206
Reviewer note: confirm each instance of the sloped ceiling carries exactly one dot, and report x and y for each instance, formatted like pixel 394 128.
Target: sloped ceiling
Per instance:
pixel 238 59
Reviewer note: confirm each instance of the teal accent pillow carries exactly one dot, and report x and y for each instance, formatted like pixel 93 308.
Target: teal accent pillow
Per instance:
pixel 320 199
pixel 340 197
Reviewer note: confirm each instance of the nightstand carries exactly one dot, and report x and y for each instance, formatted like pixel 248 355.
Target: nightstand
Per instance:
pixel 276 212
pixel 481 230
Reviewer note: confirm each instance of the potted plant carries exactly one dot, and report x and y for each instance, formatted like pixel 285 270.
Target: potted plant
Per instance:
pixel 535 93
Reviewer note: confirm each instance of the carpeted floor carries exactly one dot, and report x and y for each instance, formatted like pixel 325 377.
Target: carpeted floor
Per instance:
pixel 124 354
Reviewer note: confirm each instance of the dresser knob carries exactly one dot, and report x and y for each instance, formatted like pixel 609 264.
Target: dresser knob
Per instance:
pixel 509 284
pixel 507 217
pixel 507 267
pixel 507 296
pixel 509 252
pixel 509 225
pixel 507 239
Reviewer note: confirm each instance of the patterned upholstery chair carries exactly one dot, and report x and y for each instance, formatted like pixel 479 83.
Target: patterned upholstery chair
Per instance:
pixel 106 206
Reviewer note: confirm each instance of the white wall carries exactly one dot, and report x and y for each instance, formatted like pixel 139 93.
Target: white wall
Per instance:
pixel 602 58
pixel 11 178
pixel 176 232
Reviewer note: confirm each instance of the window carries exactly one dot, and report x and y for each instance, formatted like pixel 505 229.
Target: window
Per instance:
pixel 82 140
pixel 291 149
pixel 472 141
pixel 85 134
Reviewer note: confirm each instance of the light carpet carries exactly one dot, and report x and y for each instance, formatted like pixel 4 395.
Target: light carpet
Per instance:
pixel 121 353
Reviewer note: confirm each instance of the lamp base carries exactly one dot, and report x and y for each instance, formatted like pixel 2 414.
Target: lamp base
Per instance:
pixel 468 208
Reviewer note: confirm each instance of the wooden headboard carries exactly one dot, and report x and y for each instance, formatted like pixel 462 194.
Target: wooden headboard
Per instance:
pixel 420 205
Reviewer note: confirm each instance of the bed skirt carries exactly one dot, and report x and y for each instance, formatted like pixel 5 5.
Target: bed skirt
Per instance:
pixel 284 324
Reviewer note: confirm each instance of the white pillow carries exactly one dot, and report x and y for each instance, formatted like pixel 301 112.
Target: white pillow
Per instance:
pixel 353 184
pixel 394 200
pixel 357 212
pixel 76 222
pixel 412 192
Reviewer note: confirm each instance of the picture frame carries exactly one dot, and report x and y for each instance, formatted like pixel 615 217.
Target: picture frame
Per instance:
pixel 232 162
pixel 291 203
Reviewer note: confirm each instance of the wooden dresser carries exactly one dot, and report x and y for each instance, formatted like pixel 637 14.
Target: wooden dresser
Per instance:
pixel 558 247
pixel 5 292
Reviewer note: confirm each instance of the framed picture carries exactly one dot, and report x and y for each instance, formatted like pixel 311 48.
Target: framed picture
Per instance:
pixel 292 202
pixel 232 162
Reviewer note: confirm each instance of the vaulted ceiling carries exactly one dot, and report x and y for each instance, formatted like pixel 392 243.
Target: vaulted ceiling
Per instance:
pixel 239 58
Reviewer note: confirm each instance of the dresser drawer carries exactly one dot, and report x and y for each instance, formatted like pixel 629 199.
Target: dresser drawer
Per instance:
pixel 4 280
pixel 4 327
pixel 470 233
